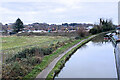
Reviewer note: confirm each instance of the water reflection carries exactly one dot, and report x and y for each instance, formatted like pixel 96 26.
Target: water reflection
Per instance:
pixel 84 46
pixel 94 60
pixel 100 40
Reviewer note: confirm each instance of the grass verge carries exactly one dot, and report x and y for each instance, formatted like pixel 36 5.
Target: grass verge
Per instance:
pixel 47 59
pixel 60 64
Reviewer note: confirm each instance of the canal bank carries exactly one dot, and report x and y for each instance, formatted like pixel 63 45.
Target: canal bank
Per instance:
pixel 48 69
pixel 96 64
pixel 116 43
pixel 60 64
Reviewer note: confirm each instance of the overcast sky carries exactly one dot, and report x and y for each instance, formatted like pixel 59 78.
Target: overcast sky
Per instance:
pixel 58 11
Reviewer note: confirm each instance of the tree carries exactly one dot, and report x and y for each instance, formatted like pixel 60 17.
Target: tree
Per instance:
pixel 93 31
pixel 65 24
pixel 103 26
pixel 82 32
pixel 108 25
pixel 18 26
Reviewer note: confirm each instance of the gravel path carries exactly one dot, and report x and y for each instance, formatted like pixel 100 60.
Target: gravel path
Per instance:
pixel 48 69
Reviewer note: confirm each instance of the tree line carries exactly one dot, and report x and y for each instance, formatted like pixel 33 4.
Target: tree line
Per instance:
pixel 104 25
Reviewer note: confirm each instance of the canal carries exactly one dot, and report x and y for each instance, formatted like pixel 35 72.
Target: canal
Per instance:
pixel 95 59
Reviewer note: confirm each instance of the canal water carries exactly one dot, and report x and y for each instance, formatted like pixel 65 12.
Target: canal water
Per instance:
pixel 95 59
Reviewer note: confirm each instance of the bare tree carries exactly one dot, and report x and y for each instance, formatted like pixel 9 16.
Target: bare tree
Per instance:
pixel 82 32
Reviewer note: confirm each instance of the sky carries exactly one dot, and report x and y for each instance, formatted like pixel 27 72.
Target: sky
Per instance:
pixel 58 11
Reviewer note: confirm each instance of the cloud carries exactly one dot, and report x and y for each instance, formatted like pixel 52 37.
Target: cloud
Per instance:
pixel 68 1
pixel 57 11
pixel 5 10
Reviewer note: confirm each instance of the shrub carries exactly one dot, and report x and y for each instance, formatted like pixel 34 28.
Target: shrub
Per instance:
pixel 14 71
pixel 82 32
pixel 77 37
pixel 34 60
pixel 47 51
pixel 31 52
pixel 93 31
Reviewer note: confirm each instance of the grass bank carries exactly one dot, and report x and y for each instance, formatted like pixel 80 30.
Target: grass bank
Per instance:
pixel 47 59
pixel 21 41
pixel 60 64
pixel 21 53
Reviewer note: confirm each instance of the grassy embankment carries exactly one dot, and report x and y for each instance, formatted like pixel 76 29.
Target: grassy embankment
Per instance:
pixel 60 64
pixel 22 53
pixel 49 58
pixel 11 45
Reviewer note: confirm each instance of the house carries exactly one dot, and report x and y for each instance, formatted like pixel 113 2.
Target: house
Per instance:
pixel 39 31
pixel 89 27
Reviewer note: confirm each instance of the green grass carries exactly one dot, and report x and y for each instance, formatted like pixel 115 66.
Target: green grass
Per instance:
pixel 11 45
pixel 49 58
pixel 62 61
pixel 21 41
